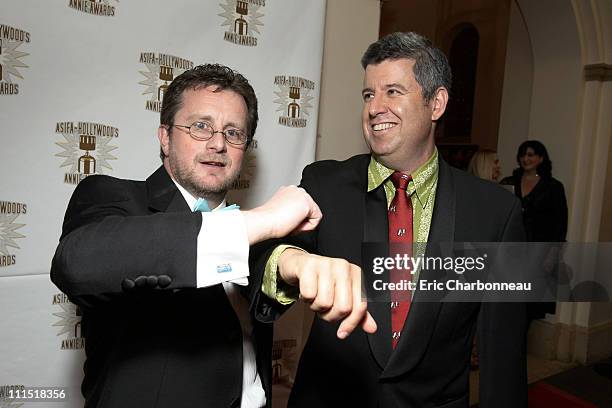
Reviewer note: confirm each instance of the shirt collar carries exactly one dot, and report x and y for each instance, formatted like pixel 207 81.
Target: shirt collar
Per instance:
pixel 191 200
pixel 424 178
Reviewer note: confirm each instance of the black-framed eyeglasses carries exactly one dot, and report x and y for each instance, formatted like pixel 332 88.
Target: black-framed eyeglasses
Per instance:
pixel 204 131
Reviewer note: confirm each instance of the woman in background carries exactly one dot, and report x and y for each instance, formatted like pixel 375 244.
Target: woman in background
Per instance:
pixel 542 196
pixel 544 204
pixel 485 164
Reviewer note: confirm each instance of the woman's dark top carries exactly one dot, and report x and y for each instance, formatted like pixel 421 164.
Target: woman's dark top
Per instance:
pixel 544 209
pixel 545 220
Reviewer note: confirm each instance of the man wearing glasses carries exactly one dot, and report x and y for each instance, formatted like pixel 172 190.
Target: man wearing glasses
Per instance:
pixel 159 267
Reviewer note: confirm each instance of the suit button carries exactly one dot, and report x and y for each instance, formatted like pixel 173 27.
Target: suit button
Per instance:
pixel 265 310
pixel 164 281
pixel 152 281
pixel 141 282
pixel 127 284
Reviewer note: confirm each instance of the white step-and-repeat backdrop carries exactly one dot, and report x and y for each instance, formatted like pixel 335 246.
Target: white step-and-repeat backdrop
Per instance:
pixel 80 89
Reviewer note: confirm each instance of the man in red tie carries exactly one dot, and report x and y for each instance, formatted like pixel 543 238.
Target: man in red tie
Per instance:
pixel 403 193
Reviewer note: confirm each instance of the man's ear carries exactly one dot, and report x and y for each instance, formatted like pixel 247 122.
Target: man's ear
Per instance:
pixel 438 103
pixel 163 134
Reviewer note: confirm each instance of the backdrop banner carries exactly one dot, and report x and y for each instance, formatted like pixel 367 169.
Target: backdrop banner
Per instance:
pixel 81 85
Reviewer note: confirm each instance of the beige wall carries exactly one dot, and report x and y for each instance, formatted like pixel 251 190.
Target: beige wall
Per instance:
pixel 420 16
pixel 557 82
pixel 516 99
pixel 350 26
pixel 571 116
pixel 605 233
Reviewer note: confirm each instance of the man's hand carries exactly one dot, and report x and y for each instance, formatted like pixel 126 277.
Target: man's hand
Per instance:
pixel 332 287
pixel 289 210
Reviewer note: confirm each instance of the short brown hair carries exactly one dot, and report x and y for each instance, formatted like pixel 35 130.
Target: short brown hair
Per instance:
pixel 203 76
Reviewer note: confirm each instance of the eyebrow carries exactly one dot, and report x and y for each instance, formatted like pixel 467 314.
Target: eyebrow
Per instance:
pixel 393 85
pixel 208 118
pixel 397 85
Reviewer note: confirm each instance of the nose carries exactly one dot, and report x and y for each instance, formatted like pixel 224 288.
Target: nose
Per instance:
pixel 216 143
pixel 376 105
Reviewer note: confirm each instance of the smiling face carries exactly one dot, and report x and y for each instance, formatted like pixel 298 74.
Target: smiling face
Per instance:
pixel 530 160
pixel 208 168
pixel 398 124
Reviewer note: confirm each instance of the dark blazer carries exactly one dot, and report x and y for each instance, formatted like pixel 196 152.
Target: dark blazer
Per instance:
pixel 544 209
pixel 127 257
pixel 545 220
pixel 430 366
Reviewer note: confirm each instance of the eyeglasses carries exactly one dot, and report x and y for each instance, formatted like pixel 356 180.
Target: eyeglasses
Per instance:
pixel 203 131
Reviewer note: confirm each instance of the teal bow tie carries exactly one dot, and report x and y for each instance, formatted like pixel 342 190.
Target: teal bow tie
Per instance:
pixel 202 206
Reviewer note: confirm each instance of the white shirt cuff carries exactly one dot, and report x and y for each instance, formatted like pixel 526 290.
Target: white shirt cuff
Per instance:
pixel 223 249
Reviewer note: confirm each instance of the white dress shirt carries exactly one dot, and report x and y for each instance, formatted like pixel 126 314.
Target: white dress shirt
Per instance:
pixel 223 257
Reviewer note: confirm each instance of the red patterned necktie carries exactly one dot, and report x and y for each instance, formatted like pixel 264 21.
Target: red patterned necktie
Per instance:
pixel 400 231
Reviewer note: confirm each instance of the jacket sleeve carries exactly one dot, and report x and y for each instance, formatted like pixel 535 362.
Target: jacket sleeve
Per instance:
pixel 501 340
pixel 111 246
pixel 559 212
pixel 266 309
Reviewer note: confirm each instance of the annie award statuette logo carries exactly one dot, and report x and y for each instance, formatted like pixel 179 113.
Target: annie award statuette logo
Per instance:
pixel 293 100
pixel 243 19
pixel 86 148
pixel 161 70
pixel 10 58
pixel 165 74
pixel 87 164
pixel 241 25
pixel 9 224
pixel 293 110
pixel 249 165
pixel 69 323
pixel 283 356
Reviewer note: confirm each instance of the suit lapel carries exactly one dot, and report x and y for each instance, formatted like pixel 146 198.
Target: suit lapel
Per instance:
pixel 162 194
pixel 375 230
pixel 425 308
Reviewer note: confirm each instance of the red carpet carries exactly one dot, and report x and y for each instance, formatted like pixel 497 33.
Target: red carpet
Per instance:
pixel 542 395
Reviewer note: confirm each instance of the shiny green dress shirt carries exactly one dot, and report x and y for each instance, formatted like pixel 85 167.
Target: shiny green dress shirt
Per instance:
pixel 422 192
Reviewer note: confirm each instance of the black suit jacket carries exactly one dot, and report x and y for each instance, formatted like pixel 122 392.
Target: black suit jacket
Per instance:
pixel 544 209
pixel 127 257
pixel 430 366
pixel 545 220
